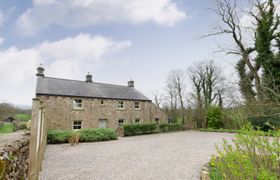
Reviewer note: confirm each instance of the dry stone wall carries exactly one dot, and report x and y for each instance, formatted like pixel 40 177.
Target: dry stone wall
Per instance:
pixel 15 157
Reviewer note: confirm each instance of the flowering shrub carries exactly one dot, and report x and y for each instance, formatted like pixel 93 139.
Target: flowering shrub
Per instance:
pixel 251 156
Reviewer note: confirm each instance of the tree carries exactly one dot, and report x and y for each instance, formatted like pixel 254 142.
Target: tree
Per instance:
pixel 209 89
pixel 259 56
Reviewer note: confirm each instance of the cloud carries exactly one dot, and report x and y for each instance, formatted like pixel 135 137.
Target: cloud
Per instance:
pixel 68 58
pixel 76 14
pixel 1 40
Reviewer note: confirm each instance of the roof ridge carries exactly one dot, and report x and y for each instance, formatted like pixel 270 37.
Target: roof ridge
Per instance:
pixel 85 81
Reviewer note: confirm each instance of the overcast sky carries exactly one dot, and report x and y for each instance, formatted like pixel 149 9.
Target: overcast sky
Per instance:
pixel 114 40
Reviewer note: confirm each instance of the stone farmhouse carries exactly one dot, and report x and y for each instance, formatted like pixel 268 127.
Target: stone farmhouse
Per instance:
pixel 72 104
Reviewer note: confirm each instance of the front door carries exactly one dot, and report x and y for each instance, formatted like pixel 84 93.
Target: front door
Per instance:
pixel 102 123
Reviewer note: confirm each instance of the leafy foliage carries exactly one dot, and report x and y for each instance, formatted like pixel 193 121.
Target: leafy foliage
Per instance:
pixel 266 123
pixel 85 135
pixel 252 156
pixel 99 134
pixel 170 127
pixel 214 117
pixel 137 129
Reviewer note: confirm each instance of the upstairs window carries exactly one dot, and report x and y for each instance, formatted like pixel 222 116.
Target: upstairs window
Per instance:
pixel 78 104
pixel 137 121
pixel 77 125
pixel 137 105
pixel 157 120
pixel 120 105
pixel 121 122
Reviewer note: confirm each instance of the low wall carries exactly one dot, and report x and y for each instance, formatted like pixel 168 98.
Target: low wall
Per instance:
pixel 15 156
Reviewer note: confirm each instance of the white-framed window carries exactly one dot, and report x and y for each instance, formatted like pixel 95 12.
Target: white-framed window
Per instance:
pixel 137 105
pixel 78 104
pixel 77 124
pixel 157 120
pixel 120 105
pixel 121 122
pixel 137 120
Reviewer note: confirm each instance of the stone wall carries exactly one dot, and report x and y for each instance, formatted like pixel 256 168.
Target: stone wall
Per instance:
pixel 60 113
pixel 15 156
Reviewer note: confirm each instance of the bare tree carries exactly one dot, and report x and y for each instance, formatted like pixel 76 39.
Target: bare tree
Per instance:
pixel 209 89
pixel 158 98
pixel 177 81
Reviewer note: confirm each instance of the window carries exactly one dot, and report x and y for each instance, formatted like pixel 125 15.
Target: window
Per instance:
pixel 120 105
pixel 137 105
pixel 77 125
pixel 121 122
pixel 78 104
pixel 137 121
pixel 157 121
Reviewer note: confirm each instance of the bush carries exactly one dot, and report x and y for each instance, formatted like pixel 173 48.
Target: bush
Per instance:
pixel 85 135
pixel 170 127
pixel 22 125
pixel 214 117
pixel 266 123
pixel 253 156
pixel 58 136
pixel 100 134
pixel 137 129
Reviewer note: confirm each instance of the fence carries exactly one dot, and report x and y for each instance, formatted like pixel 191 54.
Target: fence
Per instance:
pixel 38 139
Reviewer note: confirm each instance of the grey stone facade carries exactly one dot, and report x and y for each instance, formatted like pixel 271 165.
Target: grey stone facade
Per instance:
pixel 91 105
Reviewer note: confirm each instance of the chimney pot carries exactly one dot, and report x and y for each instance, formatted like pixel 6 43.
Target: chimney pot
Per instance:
pixel 88 77
pixel 130 83
pixel 40 71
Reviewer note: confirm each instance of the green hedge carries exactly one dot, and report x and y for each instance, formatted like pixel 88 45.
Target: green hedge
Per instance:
pixel 86 135
pixel 92 135
pixel 266 123
pixel 170 127
pixel 137 129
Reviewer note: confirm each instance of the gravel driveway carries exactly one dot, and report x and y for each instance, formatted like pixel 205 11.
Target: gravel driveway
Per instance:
pixel 177 155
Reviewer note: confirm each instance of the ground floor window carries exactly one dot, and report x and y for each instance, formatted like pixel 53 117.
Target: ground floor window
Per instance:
pixel 157 120
pixel 77 124
pixel 137 121
pixel 121 122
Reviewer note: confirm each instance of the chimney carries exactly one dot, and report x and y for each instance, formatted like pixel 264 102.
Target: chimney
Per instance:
pixel 88 77
pixel 130 84
pixel 40 71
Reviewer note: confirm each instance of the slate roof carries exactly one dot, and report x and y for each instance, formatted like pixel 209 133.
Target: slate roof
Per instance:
pixel 66 87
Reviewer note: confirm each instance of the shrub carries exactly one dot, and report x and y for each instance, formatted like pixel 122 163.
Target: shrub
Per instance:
pixel 170 127
pixel 22 125
pixel 99 134
pixel 266 123
pixel 59 136
pixel 137 129
pixel 253 156
pixel 214 117
pixel 85 135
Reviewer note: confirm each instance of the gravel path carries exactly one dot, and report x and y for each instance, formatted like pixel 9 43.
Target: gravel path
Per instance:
pixel 177 155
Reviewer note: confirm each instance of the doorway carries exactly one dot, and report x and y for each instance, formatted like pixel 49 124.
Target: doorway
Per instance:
pixel 102 123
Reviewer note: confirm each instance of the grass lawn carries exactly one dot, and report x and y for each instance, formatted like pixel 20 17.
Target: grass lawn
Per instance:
pixel 7 128
pixel 23 117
